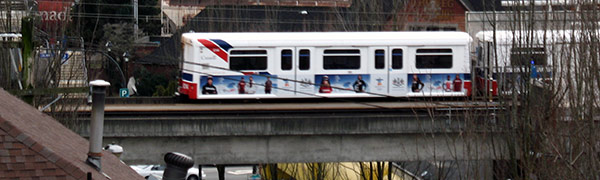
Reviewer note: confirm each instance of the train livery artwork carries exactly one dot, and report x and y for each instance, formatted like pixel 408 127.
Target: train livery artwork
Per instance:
pixel 245 84
pixel 439 83
pixel 342 84
pixel 325 64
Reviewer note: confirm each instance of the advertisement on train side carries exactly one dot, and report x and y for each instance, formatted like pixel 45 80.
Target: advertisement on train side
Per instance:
pixel 437 83
pixel 342 84
pixel 247 84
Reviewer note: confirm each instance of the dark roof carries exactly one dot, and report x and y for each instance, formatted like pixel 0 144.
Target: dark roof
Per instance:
pixel 483 5
pixel 36 145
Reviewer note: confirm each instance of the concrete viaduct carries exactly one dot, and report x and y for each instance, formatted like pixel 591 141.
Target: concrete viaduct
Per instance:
pixel 345 134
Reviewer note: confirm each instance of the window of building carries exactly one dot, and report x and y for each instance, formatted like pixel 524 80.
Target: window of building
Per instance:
pixel 379 59
pixel 341 59
pixel 434 58
pixel 397 59
pixel 248 60
pixel 304 59
pixel 527 56
pixel 286 59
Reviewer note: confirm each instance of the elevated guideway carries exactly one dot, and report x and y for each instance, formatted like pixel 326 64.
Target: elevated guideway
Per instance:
pixel 250 133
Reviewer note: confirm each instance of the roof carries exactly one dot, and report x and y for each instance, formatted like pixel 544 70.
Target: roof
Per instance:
pixel 39 138
pixel 253 39
pixel 483 5
pixel 535 36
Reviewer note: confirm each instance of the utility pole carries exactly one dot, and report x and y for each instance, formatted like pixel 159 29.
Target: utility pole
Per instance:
pixel 135 20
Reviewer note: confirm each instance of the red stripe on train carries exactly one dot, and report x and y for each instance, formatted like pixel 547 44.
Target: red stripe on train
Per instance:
pixel 214 48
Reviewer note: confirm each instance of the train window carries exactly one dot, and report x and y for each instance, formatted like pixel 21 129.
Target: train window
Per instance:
pixel 248 60
pixel 397 59
pixel 434 58
pixel 286 59
pixel 304 59
pixel 341 59
pixel 379 59
pixel 527 56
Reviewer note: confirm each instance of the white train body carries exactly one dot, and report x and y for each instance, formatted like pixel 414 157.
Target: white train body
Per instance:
pixel 297 64
pixel 505 56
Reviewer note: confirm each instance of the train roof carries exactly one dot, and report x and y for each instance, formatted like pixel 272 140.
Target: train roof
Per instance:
pixel 267 39
pixel 556 36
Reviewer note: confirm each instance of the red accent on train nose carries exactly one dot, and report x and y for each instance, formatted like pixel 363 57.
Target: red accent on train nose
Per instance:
pixel 214 48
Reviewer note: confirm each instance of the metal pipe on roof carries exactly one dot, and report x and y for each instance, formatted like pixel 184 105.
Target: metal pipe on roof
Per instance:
pixel 97 123
pixel 177 166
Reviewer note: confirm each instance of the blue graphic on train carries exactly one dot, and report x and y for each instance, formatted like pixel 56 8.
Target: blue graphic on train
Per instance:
pixel 437 82
pixel 243 85
pixel 342 84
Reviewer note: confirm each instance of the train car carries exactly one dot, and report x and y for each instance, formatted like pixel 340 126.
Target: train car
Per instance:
pixel 325 64
pixel 506 59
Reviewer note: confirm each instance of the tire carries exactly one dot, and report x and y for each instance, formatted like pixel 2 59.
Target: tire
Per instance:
pixel 193 177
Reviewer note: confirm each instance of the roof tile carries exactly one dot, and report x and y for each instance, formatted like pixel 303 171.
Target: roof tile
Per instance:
pixel 7 145
pixel 8 138
pixel 21 137
pixel 18 166
pixel 15 152
pixel 26 173
pixel 4 152
pixel 38 171
pixel 5 125
pixel 40 159
pixel 28 142
pixel 78 174
pixel 5 159
pixel 9 173
pixel 30 159
pixel 27 152
pixel 52 158
pixel 49 172
pixel 29 166
pixel 14 132
pixel 40 165
pixel 37 147
pixel 69 168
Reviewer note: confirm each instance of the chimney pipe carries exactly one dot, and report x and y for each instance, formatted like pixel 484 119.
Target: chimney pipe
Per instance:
pixel 97 123
pixel 177 166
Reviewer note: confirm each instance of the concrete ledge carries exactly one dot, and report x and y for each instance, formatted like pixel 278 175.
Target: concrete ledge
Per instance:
pixel 271 125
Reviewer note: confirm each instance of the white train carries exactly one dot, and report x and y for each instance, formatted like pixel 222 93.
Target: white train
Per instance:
pixel 510 58
pixel 325 64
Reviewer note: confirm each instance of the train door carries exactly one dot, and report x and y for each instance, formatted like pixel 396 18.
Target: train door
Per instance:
pixel 397 70
pixel 377 67
pixel 285 62
pixel 305 73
